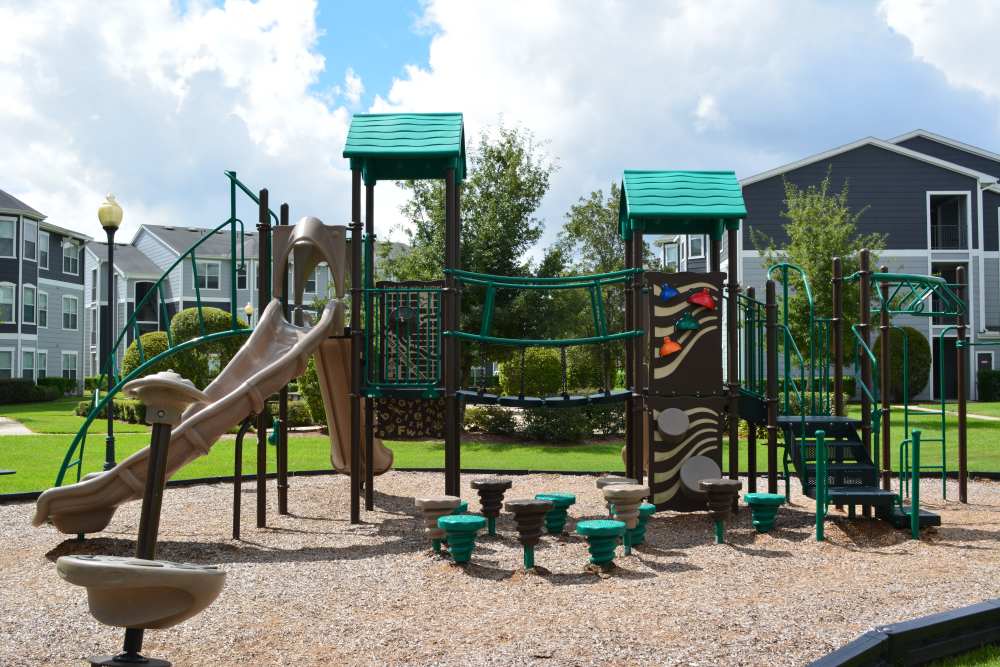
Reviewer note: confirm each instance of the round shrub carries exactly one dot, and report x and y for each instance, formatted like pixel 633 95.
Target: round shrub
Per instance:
pixel 188 363
pixel 185 326
pixel 311 394
pixel 556 425
pixel 491 419
pixel 542 373
pixel 919 360
pixel 585 368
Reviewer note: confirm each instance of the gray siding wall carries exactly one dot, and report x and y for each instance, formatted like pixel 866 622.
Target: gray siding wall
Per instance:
pixel 163 257
pixel 56 339
pixel 991 219
pixel 892 186
pixel 951 154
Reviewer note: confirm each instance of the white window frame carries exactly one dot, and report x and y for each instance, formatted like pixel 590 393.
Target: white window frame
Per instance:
pixel 45 264
pixel 44 368
pixel 691 253
pixel 70 249
pixel 993 359
pixel 94 313
pixel 968 221
pixel 218 268
pixel 13 227
pixel 13 301
pixel 38 309
pixel 76 363
pixel 76 311
pixel 314 278
pixel 95 285
pixel 34 303
pixel 25 351
pixel 25 226
pixel 11 351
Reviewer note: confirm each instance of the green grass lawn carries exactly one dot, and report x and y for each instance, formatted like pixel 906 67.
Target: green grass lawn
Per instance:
pixel 36 458
pixel 988 656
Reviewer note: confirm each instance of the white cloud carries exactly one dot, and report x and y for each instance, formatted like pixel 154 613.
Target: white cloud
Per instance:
pixel 353 87
pixel 708 115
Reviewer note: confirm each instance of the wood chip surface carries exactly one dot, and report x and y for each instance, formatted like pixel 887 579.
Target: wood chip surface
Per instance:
pixel 311 589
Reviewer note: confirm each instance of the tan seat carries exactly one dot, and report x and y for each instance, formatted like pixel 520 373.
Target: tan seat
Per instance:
pixel 137 593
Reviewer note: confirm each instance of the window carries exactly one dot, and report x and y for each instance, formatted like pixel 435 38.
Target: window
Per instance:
pixel 71 259
pixel 43 309
pixel 42 359
pixel 70 313
pixel 93 326
pixel 7 303
pixel 30 229
pixel 28 304
pixel 241 277
pixel 69 365
pixel 145 302
pixel 8 232
pixel 948 271
pixel 6 363
pixel 43 250
pixel 948 218
pixel 93 285
pixel 696 246
pixel 311 282
pixel 28 364
pixel 208 275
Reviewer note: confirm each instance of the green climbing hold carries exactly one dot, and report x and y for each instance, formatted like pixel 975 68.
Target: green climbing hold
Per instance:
pixel 638 534
pixel 555 519
pixel 602 539
pixel 688 323
pixel 763 509
pixel 461 530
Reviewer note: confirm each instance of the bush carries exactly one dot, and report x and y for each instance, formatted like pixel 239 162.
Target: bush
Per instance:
pixel 126 410
pixel 16 390
pixel 605 419
pixel 188 364
pixel 92 382
pixel 542 373
pixel 585 370
pixel 919 361
pixel 556 424
pixel 62 385
pixel 491 419
pixel 311 394
pixel 989 385
pixel 298 413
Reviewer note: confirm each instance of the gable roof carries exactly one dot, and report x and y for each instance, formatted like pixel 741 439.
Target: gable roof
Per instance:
pixel 11 204
pixel 954 143
pixel 130 262
pixel 679 202
pixel 983 178
pixel 402 146
pixel 180 239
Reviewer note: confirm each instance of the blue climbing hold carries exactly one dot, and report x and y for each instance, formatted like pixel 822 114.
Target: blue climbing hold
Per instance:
pixel 667 292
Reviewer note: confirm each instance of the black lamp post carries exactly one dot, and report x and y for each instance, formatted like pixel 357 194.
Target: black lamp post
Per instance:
pixel 110 215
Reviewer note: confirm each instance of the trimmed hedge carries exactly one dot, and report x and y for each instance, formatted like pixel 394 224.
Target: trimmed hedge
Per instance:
pixel 491 419
pixel 989 385
pixel 16 390
pixel 63 385
pixel 542 373
pixel 298 413
pixel 126 410
pixel 556 424
pixel 919 362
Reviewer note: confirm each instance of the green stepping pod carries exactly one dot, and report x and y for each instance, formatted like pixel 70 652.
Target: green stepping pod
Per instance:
pixel 462 508
pixel 638 534
pixel 555 520
pixel 602 539
pixel 763 509
pixel 461 530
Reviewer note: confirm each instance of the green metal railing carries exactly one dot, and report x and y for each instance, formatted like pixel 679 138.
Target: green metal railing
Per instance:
pixel 871 393
pixel 752 327
pixel 909 294
pixel 111 379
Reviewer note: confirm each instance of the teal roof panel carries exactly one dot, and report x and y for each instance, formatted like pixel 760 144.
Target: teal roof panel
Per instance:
pixel 680 202
pixel 403 146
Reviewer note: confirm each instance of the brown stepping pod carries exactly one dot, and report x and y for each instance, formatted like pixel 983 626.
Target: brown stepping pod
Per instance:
pixel 491 490
pixel 529 515
pixel 433 508
pixel 720 495
pixel 626 499
pixel 608 480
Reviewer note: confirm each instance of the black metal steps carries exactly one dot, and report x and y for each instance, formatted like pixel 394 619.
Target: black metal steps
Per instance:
pixel 901 518
pixel 861 495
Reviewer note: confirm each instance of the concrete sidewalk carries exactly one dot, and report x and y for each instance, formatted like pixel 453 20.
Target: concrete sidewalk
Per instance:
pixel 10 426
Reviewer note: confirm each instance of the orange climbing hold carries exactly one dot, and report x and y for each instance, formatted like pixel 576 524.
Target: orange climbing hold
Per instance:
pixel 703 299
pixel 670 346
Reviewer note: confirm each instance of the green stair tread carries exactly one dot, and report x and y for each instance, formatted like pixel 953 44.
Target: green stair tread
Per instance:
pixel 901 519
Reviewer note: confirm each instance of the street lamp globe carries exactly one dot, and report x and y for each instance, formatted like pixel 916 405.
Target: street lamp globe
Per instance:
pixel 110 213
pixel 248 309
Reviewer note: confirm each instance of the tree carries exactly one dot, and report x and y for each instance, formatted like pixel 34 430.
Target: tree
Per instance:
pixel 820 226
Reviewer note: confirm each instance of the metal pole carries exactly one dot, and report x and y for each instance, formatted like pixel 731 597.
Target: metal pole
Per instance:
pixel 962 353
pixel 109 356
pixel 733 358
pixel 821 482
pixel 715 256
pixel 638 404
pixel 282 448
pixel 771 317
pixel 864 275
pixel 750 325
pixel 369 330
pixel 630 353
pixel 263 297
pixel 356 346
pixel 885 372
pixel 915 488
pixel 838 337
pixel 452 426
pixel 238 475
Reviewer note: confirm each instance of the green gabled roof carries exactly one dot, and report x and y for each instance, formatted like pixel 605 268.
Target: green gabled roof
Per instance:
pixel 403 146
pixel 680 202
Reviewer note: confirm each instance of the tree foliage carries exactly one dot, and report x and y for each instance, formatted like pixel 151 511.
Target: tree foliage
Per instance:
pixel 918 360
pixel 820 226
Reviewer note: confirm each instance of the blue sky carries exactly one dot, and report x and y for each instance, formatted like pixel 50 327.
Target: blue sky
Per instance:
pixel 165 95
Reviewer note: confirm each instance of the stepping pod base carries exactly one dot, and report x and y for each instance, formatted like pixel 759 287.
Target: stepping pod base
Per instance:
pixel 461 532
pixel 491 490
pixel 431 509
pixel 720 494
pixel 637 535
pixel 602 540
pixel 529 515
pixel 626 499
pixel 764 509
pixel 555 520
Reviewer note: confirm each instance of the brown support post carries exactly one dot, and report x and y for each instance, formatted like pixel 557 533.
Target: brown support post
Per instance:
pixel 750 326
pixel 771 315
pixel 631 350
pixel 866 366
pixel 263 298
pixel 733 358
pixel 715 256
pixel 961 372
pixel 282 449
pixel 369 326
pixel 639 401
pixel 885 381
pixel 838 337
pixel 452 416
pixel 357 342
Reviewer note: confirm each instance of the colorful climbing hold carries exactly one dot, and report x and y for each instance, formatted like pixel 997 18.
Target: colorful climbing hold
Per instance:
pixel 702 298
pixel 670 346
pixel 688 323
pixel 667 292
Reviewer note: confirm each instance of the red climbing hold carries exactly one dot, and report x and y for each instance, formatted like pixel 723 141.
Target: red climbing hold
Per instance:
pixel 703 299
pixel 670 346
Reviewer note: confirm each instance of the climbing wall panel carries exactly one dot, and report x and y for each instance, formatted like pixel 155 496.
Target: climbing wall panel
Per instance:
pixel 703 438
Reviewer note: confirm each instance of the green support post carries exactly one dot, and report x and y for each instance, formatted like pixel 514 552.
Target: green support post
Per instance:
pixel 915 485
pixel 821 480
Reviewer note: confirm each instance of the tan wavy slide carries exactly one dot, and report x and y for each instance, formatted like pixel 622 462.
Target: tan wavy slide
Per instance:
pixel 275 353
pixel 334 370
